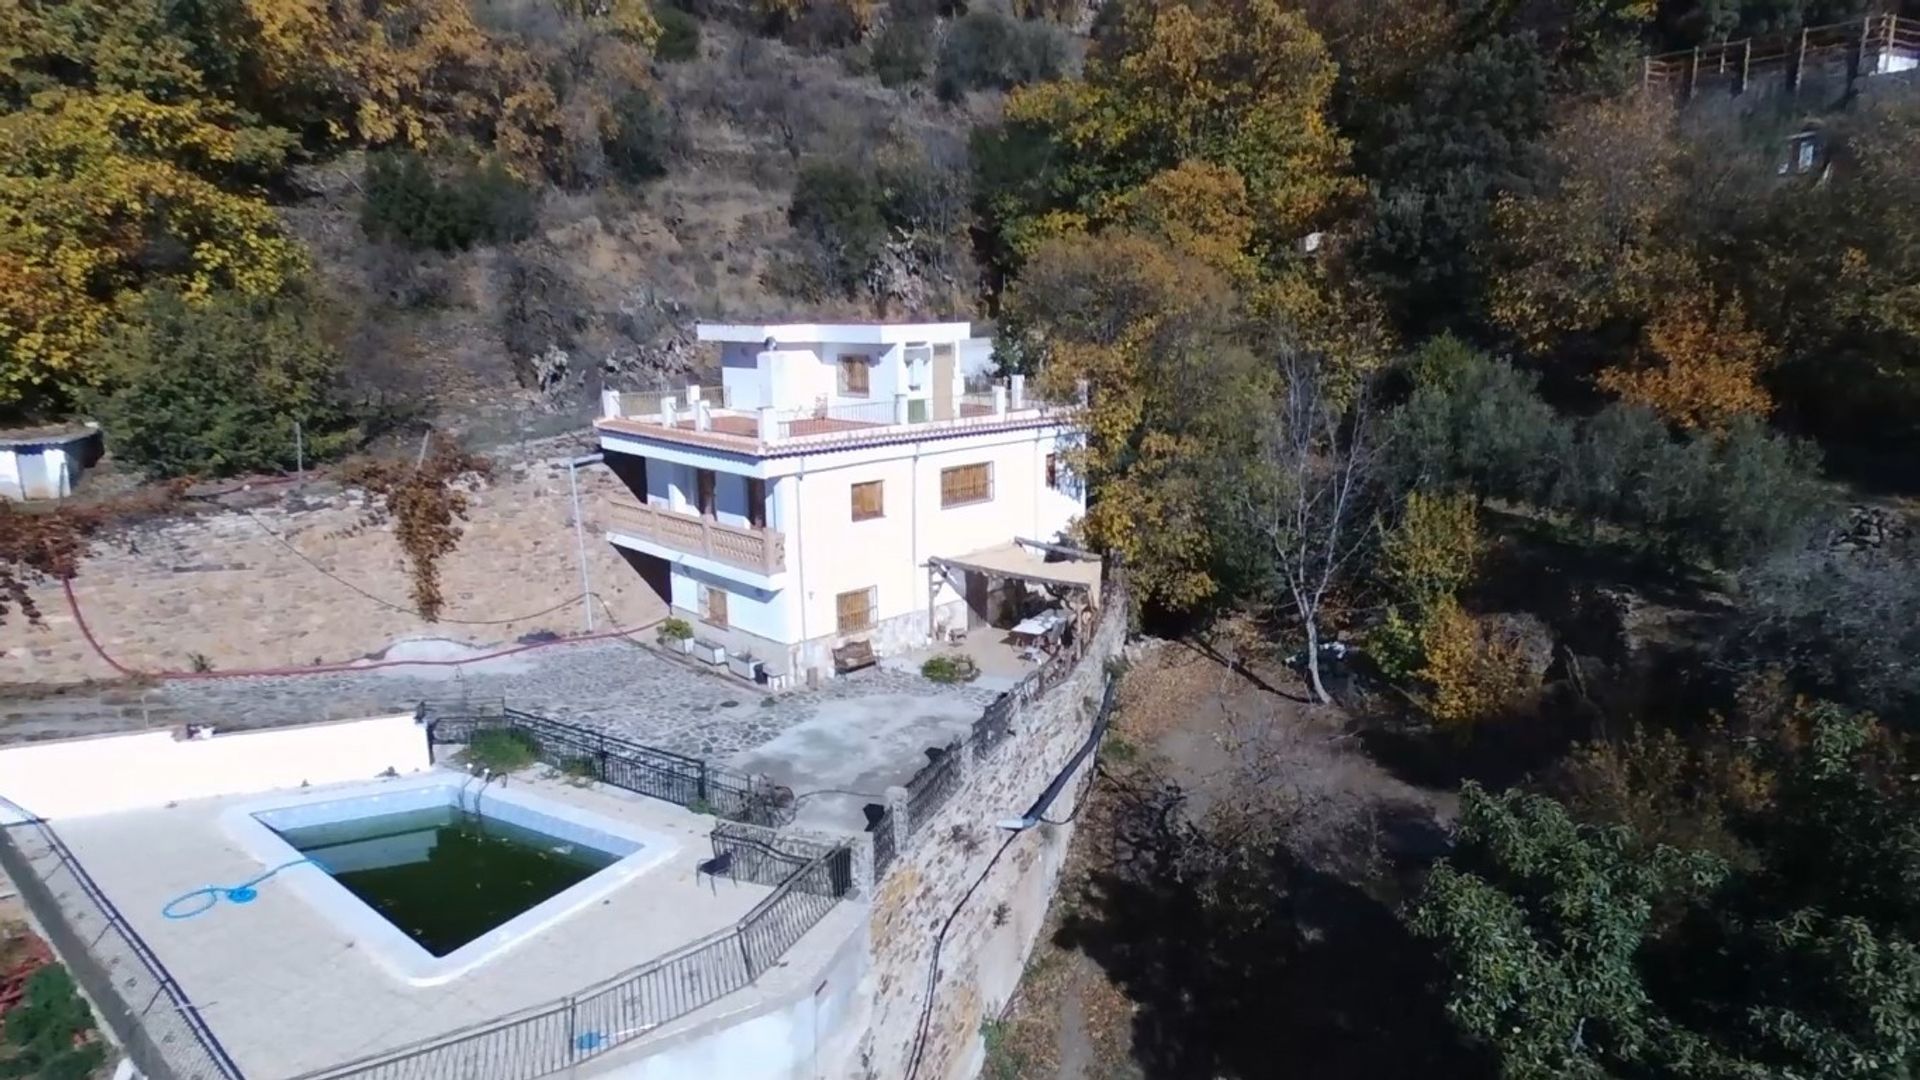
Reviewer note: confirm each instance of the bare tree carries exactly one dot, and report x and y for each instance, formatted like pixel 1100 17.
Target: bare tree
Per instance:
pixel 1306 501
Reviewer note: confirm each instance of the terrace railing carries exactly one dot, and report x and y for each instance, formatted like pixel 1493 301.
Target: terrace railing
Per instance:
pixel 644 770
pixel 551 1038
pixel 149 1013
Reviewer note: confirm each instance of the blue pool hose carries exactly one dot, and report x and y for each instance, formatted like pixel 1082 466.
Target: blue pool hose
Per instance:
pixel 243 893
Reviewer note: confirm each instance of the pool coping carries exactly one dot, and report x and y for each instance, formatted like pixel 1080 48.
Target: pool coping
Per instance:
pixel 390 947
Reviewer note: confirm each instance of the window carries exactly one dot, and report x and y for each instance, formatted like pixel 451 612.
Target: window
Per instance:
pixel 756 502
pixel 855 373
pixel 854 610
pixel 713 607
pixel 869 500
pixel 703 491
pixel 1053 471
pixel 965 484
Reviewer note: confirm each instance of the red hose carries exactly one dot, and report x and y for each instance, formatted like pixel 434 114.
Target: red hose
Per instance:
pixel 73 604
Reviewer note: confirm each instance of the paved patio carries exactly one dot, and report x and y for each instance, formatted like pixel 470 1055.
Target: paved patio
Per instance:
pixel 286 989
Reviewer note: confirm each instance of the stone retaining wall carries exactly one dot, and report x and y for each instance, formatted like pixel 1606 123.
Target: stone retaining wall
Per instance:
pixel 986 948
pixel 217 584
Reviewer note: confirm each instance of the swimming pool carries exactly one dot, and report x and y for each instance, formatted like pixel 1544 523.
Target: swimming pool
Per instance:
pixel 435 875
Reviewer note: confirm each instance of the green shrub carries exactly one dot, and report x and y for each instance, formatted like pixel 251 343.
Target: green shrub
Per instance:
pixel 679 34
pixel 406 204
pixel 836 208
pixel 676 629
pixel 502 751
pixel 51 1031
pixel 950 668
pixel 638 149
pixel 902 52
pixel 987 50
pixel 214 387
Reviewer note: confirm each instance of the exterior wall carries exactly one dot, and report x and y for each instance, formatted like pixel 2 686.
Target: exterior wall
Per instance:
pixel 41 472
pixel 251 589
pixel 10 475
pixel 986 947
pixel 78 777
pixel 835 554
pixel 784 1041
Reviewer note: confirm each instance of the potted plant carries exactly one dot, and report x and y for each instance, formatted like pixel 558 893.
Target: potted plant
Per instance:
pixel 677 633
pixel 709 651
pixel 743 664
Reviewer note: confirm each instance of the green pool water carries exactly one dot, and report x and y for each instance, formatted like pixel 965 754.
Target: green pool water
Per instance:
pixel 442 875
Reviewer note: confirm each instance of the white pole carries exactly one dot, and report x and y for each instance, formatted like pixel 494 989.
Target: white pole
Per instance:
pixel 580 537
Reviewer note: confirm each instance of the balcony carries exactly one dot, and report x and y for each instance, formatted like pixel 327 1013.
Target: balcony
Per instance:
pixel 705 419
pixel 760 551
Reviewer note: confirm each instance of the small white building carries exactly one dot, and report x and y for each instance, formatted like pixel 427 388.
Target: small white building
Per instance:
pixel 45 462
pixel 799 506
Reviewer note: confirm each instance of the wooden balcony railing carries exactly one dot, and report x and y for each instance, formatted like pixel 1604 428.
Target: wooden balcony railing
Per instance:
pixel 760 550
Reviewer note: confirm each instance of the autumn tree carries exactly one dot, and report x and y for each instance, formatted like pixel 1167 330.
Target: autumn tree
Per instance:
pixel 1173 401
pixel 118 167
pixel 1238 84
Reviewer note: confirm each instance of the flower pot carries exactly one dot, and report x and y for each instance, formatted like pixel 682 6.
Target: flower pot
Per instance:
pixel 744 666
pixel 710 652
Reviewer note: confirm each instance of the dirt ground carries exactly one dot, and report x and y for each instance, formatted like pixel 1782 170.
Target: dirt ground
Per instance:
pixel 1206 742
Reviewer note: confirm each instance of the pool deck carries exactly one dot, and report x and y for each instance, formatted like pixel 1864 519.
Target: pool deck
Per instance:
pixel 287 991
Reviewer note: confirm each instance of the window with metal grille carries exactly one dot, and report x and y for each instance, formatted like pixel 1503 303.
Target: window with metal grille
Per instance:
pixel 869 500
pixel 1053 471
pixel 965 484
pixel 855 372
pixel 854 610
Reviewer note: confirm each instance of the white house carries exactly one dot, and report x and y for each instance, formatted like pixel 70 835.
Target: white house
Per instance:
pixel 840 487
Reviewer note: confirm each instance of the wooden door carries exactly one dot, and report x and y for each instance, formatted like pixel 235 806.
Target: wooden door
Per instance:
pixel 716 613
pixel 756 502
pixel 943 408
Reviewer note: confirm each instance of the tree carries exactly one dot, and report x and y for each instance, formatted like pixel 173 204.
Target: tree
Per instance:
pixel 985 50
pixel 215 387
pixel 1581 950
pixel 1241 84
pixel 1174 401
pixel 405 203
pixel 1309 494
pixel 836 210
pixel 1474 424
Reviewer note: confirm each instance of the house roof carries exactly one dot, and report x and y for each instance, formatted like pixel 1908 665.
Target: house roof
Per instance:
pixel 835 333
pixel 35 435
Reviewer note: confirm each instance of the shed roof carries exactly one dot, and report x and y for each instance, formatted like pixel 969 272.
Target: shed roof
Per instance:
pixel 47 434
pixel 1017 560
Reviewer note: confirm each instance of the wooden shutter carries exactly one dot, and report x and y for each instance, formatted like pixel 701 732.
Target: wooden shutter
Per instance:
pixel 869 500
pixel 854 610
pixel 703 491
pixel 1053 471
pixel 716 613
pixel 965 484
pixel 756 502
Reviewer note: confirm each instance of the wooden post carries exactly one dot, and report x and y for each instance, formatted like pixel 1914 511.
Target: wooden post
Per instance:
pixel 1693 76
pixel 1860 51
pixel 1746 64
pixel 1646 73
pixel 1799 62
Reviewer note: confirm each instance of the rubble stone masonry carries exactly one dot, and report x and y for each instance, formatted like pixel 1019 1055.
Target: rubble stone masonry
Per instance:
pixel 217 584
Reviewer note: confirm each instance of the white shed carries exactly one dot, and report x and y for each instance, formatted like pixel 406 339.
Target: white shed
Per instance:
pixel 45 462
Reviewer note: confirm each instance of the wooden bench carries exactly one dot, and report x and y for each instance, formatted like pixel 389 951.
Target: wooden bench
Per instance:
pixel 853 656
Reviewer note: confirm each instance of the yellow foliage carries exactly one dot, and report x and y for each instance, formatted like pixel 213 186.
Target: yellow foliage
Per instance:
pixel 1431 553
pixel 88 183
pixel 1198 207
pixel 1704 367
pixel 1471 675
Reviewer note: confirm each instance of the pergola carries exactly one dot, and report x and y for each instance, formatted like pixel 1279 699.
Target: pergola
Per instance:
pixel 1072 571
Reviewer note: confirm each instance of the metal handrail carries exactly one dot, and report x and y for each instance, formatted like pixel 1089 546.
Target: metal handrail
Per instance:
pixel 731 943
pixel 177 997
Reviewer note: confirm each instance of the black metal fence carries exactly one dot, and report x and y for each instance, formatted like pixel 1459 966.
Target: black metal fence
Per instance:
pixel 768 858
pixel 149 1013
pixel 551 1038
pixel 884 848
pixel 622 763
pixel 933 785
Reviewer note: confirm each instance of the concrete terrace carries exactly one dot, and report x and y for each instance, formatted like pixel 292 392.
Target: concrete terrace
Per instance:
pixel 860 733
pixel 287 991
